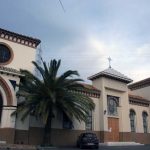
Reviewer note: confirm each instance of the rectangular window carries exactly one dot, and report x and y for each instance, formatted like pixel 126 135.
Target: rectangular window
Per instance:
pixel 88 124
pixel 112 105
pixel 145 129
pixel 145 125
pixel 67 123
pixel 13 82
pixel 132 116
pixel 132 126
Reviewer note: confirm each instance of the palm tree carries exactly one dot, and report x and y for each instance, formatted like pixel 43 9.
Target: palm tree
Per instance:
pixel 52 92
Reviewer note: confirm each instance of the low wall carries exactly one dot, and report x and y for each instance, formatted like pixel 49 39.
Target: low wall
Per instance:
pixel 63 137
pixel 59 137
pixel 143 138
pixel 7 134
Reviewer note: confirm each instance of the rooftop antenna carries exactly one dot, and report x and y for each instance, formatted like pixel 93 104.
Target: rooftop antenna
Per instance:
pixel 109 60
pixel 62 5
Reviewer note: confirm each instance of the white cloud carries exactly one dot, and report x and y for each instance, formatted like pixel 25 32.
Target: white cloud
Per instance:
pixel 87 33
pixel 144 50
pixel 139 74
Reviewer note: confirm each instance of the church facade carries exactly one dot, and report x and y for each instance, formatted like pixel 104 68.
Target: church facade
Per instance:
pixel 16 52
pixel 122 108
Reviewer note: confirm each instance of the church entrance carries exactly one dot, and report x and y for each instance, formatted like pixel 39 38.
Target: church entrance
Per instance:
pixel 113 129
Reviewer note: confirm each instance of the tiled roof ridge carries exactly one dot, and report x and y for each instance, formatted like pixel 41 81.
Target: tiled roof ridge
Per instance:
pixel 86 84
pixel 119 72
pixel 112 73
pixel 123 76
pixel 12 36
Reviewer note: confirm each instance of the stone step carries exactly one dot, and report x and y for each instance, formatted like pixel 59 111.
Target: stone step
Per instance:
pixel 120 144
pixel 2 142
pixel 17 147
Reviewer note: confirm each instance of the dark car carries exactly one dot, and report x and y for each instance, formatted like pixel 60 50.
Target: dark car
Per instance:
pixel 88 140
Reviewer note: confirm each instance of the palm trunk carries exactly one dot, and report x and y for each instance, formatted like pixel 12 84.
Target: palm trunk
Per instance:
pixel 47 132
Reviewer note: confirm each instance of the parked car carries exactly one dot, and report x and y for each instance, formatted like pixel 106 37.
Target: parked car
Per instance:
pixel 88 140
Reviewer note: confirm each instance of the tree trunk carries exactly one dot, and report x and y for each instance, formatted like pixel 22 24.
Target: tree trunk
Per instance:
pixel 47 132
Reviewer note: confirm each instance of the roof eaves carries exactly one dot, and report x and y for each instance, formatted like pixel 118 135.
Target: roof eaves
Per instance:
pixel 127 80
pixel 5 35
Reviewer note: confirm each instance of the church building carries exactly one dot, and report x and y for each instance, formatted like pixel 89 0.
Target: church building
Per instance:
pixel 122 108
pixel 16 52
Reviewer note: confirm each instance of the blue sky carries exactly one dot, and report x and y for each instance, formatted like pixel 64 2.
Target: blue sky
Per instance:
pixel 87 33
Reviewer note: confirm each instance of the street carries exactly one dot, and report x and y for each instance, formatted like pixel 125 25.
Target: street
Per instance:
pixel 145 147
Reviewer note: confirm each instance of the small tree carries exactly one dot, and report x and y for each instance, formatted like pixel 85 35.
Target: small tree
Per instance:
pixel 52 92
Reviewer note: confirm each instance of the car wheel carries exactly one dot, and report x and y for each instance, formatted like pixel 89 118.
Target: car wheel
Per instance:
pixel 81 146
pixel 97 146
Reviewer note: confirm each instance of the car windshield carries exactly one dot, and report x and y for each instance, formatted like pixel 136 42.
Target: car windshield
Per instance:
pixel 89 135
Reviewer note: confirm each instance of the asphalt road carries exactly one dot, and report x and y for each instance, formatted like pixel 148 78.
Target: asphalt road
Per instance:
pixel 145 147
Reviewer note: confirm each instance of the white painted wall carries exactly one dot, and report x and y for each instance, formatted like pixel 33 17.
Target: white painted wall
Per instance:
pixel 23 56
pixel 118 89
pixel 22 125
pixel 139 120
pixel 7 119
pixel 99 84
pixel 95 118
pixel 145 93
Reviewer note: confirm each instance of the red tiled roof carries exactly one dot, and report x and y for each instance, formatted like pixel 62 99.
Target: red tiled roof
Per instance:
pixel 90 90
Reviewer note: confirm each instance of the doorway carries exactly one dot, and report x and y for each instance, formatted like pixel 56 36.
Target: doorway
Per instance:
pixel 113 127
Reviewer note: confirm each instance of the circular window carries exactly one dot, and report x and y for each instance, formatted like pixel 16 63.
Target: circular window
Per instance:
pixel 5 54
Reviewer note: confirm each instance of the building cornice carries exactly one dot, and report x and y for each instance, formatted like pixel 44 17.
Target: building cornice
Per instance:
pixel 19 38
pixel 89 93
pixel 10 71
pixel 138 100
pixel 88 90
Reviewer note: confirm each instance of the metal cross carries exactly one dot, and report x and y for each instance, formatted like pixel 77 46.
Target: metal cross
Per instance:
pixel 109 59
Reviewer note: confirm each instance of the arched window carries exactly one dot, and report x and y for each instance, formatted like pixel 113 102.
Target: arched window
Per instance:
pixel 145 122
pixel 88 123
pixel 5 53
pixel 132 120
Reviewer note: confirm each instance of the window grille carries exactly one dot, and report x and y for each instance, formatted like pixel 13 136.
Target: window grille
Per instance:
pixel 112 104
pixel 132 120
pixel 145 122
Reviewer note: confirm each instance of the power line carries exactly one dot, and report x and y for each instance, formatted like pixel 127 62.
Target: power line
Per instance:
pixel 62 5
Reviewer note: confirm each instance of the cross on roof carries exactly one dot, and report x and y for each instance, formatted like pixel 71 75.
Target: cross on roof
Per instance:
pixel 109 59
